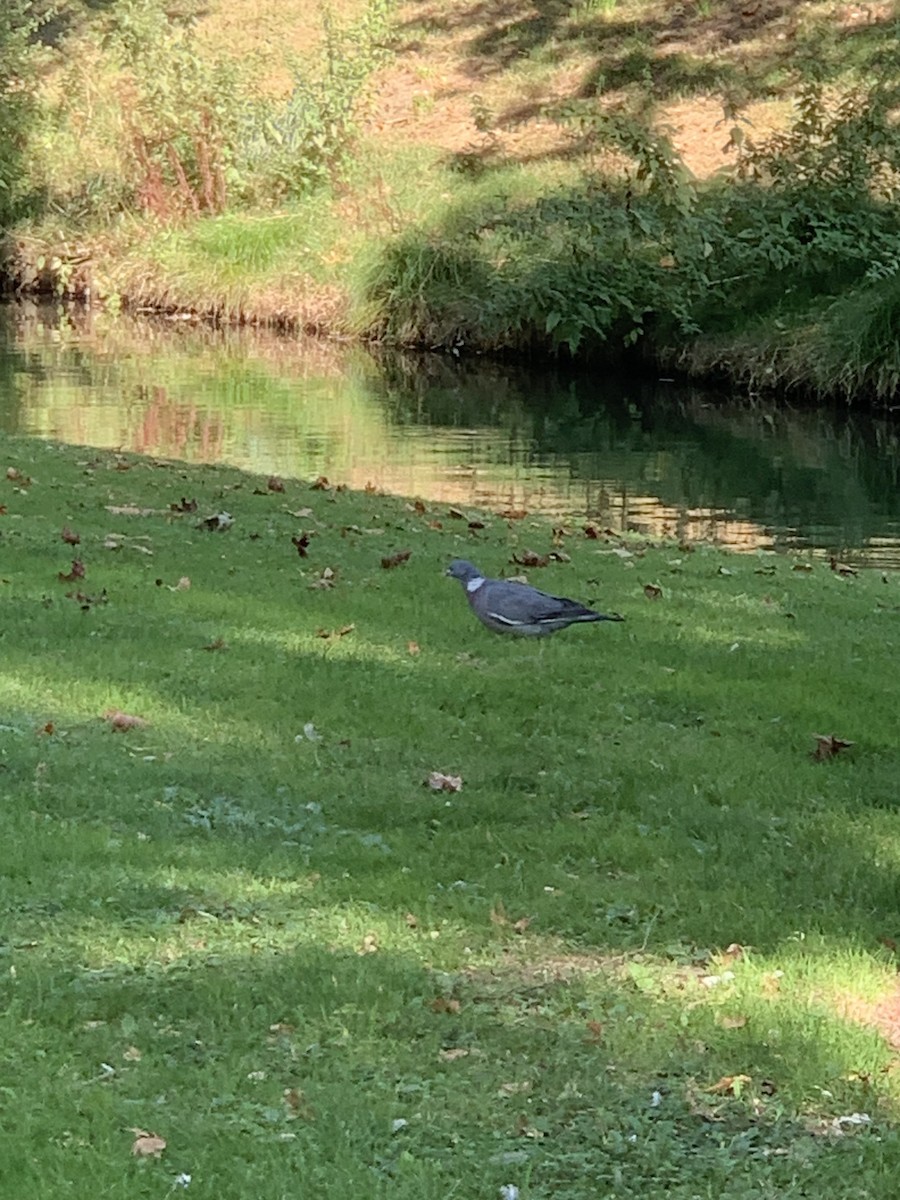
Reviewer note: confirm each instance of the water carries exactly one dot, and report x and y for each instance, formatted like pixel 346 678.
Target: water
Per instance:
pixel 646 457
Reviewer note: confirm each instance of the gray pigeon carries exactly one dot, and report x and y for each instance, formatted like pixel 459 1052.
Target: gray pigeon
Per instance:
pixel 508 607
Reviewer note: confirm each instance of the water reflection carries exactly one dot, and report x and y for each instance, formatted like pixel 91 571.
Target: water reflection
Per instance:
pixel 630 455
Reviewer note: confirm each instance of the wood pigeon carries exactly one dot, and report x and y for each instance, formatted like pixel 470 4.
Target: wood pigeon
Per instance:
pixel 508 607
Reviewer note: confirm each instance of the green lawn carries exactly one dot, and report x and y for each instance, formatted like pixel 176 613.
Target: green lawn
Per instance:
pixel 642 951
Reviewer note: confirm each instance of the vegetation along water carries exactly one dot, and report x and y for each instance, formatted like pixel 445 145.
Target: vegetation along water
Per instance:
pixel 706 186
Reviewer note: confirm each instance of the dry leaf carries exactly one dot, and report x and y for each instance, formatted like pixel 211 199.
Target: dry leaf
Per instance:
pixel 413 648
pixel 147 1144
pixel 842 568
pixel 736 1022
pixel 802 566
pixel 14 475
pixel 335 633
pixel 395 560
pixel 439 782
pixel 456 514
pixel 217 644
pixel 274 484
pixel 476 525
pixel 827 746
pixel 75 574
pixel 121 721
pixel 70 537
pixel 321 484
pixel 86 601
pixel 592 532
pixel 514 514
pixel 419 508
pixel 521 925
pixel 445 1004
pixel 652 591
pixel 325 580
pixel 132 1054
pixel 730 1085
pixel 453 1054
pixel 435 525
pixel 217 523
pixel 528 558
pixel 368 945
pixel 595 1032
pixel 411 920
pixel 183 506
pixel 301 541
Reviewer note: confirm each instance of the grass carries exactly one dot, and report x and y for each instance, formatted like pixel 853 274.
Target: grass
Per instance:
pixel 648 946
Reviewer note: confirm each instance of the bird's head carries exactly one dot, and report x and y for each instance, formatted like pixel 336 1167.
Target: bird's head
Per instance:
pixel 462 570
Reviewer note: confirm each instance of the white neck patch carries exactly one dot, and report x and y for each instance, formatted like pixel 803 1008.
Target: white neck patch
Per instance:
pixel 474 584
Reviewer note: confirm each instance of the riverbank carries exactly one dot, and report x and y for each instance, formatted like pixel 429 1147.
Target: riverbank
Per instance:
pixel 641 932
pixel 694 192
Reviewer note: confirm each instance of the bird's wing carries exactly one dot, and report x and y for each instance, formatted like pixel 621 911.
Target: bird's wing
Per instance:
pixel 520 604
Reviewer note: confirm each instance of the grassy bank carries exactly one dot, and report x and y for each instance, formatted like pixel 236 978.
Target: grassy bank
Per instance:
pixel 649 945
pixel 708 191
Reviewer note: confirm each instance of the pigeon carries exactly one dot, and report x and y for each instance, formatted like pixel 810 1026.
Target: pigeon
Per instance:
pixel 508 607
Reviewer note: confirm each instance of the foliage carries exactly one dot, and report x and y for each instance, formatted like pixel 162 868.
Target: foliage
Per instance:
pixel 293 146
pixel 18 79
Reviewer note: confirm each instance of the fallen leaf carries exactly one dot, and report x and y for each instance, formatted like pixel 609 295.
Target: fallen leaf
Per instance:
pixel 445 1004
pixel 827 746
pixel 274 484
pixel 217 523
pixel 49 728
pixel 411 920
pixel 301 541
pixel 521 925
pixel 335 633
pixel 413 648
pixel 730 1085
pixel 436 525
pixel 592 532
pixel 438 782
pixel 368 945
pixel 802 566
pixel 14 475
pixel 842 568
pixel 395 560
pixel 147 1144
pixel 735 1022
pixel 419 508
pixel 498 914
pixel 652 591
pixel 217 644
pixel 298 1104
pixel 595 1032
pixel 325 580
pixel 453 1054
pixel 132 1054
pixel 476 525
pixel 130 510
pixel 183 506
pixel 456 514
pixel 86 601
pixel 70 537
pixel 514 514
pixel 121 721
pixel 75 574
pixel 528 558
pixel 320 484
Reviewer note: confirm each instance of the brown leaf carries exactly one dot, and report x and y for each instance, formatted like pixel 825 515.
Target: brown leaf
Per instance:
pixel 48 729
pixel 476 525
pixel 652 591
pixel 121 721
pixel 335 633
pixel 14 475
pixel 435 525
pixel 419 508
pixel 498 914
pixel 445 1004
pixel 591 532
pixel 87 601
pixel 453 1054
pixel 528 558
pixel 298 1104
pixel 413 648
pixel 274 484
pixel 321 484
pixel 595 1032
pixel 75 574
pixel 411 920
pixel 827 746
pixel 456 514
pixel 70 537
pixel 217 644
pixel 132 1054
pixel 842 568
pixel 730 1085
pixel 514 514
pixel 301 541
pixel 183 506
pixel 439 782
pixel 325 580
pixel 147 1144
pixel 369 944
pixel 735 1022
pixel 395 560
pixel 217 523
pixel 802 566
pixel 521 925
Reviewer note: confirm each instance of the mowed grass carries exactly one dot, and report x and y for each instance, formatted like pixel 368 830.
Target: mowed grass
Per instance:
pixel 648 948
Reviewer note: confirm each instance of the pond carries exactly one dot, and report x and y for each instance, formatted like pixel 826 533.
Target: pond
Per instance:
pixel 630 455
